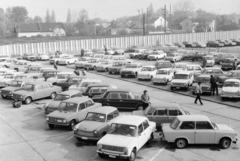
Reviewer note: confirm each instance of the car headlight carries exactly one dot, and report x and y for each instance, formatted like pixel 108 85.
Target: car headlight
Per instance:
pixel 99 147
pixel 22 97
pixel 125 151
pixel 95 133
pixel 47 119
pixel 64 121
pixel 10 92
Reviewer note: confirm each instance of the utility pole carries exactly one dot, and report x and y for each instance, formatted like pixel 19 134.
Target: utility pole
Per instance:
pixel 147 22
pixel 139 23
pixel 165 17
pixel 143 23
pixel 170 19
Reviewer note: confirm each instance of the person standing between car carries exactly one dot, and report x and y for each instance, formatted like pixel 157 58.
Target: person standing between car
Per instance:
pixel 55 65
pixel 198 92
pixel 235 64
pixel 204 63
pixel 213 85
pixel 105 49
pixel 82 53
pixel 145 99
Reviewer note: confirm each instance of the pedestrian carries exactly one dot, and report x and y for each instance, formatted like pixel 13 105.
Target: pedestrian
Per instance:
pixel 82 53
pixel 213 85
pixel 55 65
pixel 235 64
pixel 105 49
pixel 76 71
pixel 145 99
pixel 198 92
pixel 204 63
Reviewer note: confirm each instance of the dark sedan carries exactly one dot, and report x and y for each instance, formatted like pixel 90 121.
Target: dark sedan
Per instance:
pixel 214 44
pixel 144 55
pixel 233 74
pixel 194 56
pixel 73 80
pixel 215 71
pixel 97 89
pixel 121 99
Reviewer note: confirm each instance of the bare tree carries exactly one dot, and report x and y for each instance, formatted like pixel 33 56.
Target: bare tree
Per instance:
pixel 83 16
pixel 38 19
pixel 183 8
pixel 69 16
pixel 48 17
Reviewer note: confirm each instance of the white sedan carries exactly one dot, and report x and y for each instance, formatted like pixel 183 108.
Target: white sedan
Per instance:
pixel 164 75
pixel 147 72
pixel 156 55
pixel 231 89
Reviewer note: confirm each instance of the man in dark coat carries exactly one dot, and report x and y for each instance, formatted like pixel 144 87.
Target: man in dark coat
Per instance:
pixel 55 65
pixel 105 49
pixel 82 53
pixel 204 63
pixel 213 85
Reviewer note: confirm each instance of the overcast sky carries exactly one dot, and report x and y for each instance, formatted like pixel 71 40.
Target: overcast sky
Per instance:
pixel 111 9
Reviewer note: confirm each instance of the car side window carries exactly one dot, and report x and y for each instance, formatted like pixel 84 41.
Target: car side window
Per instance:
pixel 75 80
pixel 174 112
pixel 81 107
pixel 113 95
pixel 115 113
pixel 124 96
pixel 203 125
pixel 187 125
pixel 140 129
pixel 160 112
pixel 145 124
pixel 88 103
pixel 103 89
pixel 197 68
pixel 110 117
pixel 73 96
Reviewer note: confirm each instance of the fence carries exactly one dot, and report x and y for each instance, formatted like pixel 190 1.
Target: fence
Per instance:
pixel 119 42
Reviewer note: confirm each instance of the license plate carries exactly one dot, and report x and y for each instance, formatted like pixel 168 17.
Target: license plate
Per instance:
pixel 59 120
pixel 84 138
pixel 112 156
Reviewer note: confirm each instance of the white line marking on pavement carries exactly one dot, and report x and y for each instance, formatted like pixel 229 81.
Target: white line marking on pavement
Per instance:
pixel 70 137
pixel 154 157
pixel 37 113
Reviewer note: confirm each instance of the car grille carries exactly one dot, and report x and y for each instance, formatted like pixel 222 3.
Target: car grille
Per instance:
pixel 114 70
pixel 229 93
pixel 55 120
pixel 112 148
pixel 51 61
pixel 127 72
pixel 151 57
pixel 87 65
pixel 178 84
pixel 143 76
pixel 100 68
pixel 85 133
pixel 16 97
pixel 205 88
pixel 5 92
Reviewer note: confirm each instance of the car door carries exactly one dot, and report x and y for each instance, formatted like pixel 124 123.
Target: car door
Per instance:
pixel 113 99
pixel 172 114
pixel 159 116
pixel 141 136
pixel 81 111
pixel 38 92
pixel 187 130
pixel 204 133
pixel 126 102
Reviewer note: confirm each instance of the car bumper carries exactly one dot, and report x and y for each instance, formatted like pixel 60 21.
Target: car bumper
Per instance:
pixel 159 81
pixel 57 123
pixel 8 95
pixel 76 135
pixel 230 95
pixel 128 74
pixel 144 77
pixel 113 154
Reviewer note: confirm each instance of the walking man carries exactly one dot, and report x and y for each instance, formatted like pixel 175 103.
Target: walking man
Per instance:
pixel 82 53
pixel 213 85
pixel 105 49
pixel 145 99
pixel 198 92
pixel 55 65
pixel 204 63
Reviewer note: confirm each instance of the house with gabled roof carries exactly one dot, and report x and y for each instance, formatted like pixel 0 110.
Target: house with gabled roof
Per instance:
pixel 40 29
pixel 114 28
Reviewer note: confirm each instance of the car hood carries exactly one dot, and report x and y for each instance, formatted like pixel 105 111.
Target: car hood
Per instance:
pixel 160 76
pixel 61 114
pixel 11 88
pixel 144 72
pixel 133 69
pixel 224 127
pixel 179 80
pixel 166 127
pixel 5 80
pixel 90 125
pixel 230 89
pixel 119 140
pixel 54 104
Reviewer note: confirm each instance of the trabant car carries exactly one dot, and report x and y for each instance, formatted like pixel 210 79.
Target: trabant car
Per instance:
pixel 161 113
pixel 238 67
pixel 98 56
pixel 205 84
pixel 96 124
pixel 183 79
pixel 136 53
pixel 127 135
pixel 231 89
pixel 196 56
pixel 97 89
pixel 61 76
pixel 144 54
pixel 118 51
pixel 54 105
pixel 147 73
pixel 35 76
pixel 173 57
pixel 70 81
pixel 179 67
pixel 227 64
pixel 43 57
pixel 197 129
pixel 156 55
pixel 195 69
pixel 36 90
pixel 67 60
pixel 19 64
pixel 80 63
pixel 121 99
pixel 131 69
pixel 121 59
pixel 232 74
pixel 6 80
pixel 116 67
pixel 84 84
pixel 92 63
pixel 104 65
pixel 31 58
pixel 163 76
pixel 15 85
pixel 163 64
pixel 71 112
pixel 209 60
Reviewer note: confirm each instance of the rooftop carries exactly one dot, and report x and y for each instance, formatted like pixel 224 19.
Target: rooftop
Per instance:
pixel 70 92
pixel 130 120
pixel 193 118
pixel 104 110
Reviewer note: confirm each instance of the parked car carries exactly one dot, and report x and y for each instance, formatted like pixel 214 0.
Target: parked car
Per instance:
pixel 197 56
pixel 136 53
pixel 173 57
pixel 195 69
pixel 179 67
pixel 67 60
pixel 84 84
pixel 215 71
pixel 49 73
pixel 230 43
pixel 35 76
pixel 59 77
pixel 199 45
pixel 98 56
pixel 92 63
pixel 223 42
pixel 97 89
pixel 227 64
pixel 237 41
pixel 214 44
pixel 81 61
pixel 232 74
pixel 96 124
pixel 209 60
pixel 71 112
pixel 31 58
pixel 57 58
pixel 33 69
pixel 121 99
pixel 156 55
pixel 182 79
pixel 205 84
pixel 54 104
pixel 6 80
pixel 163 64
pixel 163 76
pixel 161 113
pixel 36 90
pixel 219 58
pixel 178 44
pixel 4 71
pixel 147 73
pixel 231 89
pixel 118 51
pixel 43 57
pixel 144 54
pixel 197 129
pixel 127 135
pixel 188 44
pixel 116 67
pixel 6 61
pixel 122 59
pixel 131 70
pixel 70 81
pixel 104 66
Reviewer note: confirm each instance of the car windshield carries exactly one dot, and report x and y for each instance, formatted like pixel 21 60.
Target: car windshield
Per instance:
pixel 203 79
pixel 86 84
pixel 174 123
pixel 208 58
pixel 69 107
pixel 61 97
pixel 29 87
pixel 131 66
pixel 228 61
pixel 92 60
pixel 181 76
pixel 171 55
pixel 162 72
pixel 62 76
pixel 147 69
pixel 96 117
pixel 98 56
pixel 104 62
pixel 180 65
pixel 20 77
pixel 15 83
pixel 163 64
pixel 82 59
pixel 123 129
pixel 11 76
pixel 231 84
pixel 118 64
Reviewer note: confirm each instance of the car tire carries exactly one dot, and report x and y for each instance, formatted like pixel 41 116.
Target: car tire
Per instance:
pixel 71 125
pixel 101 155
pixel 223 98
pixel 132 156
pixel 139 79
pixel 139 108
pixel 53 95
pixel 154 83
pixel 51 126
pixel 4 97
pixel 136 74
pixel 94 68
pixel 193 93
pixel 181 143
pixel 106 69
pixel 225 143
pixel 68 63
pixel 28 100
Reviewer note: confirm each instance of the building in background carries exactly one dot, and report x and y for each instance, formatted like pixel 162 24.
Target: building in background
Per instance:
pixel 160 22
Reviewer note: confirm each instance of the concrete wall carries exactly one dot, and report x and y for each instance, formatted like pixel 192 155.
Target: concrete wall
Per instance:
pixel 119 42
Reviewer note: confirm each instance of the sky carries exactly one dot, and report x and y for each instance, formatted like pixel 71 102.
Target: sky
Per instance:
pixel 112 9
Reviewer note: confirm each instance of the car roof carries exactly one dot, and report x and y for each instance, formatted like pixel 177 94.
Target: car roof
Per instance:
pixel 30 74
pixel 130 120
pixel 25 79
pixel 104 110
pixel 232 80
pixel 91 80
pixel 65 73
pixel 205 75
pixel 77 76
pixel 163 61
pixel 38 82
pixel 151 66
pixel 193 65
pixel 166 69
pixel 117 90
pixel 156 105
pixel 193 118
pixel 99 85
pixel 212 68
pixel 183 72
pixel 77 99
pixel 134 63
pixel 70 92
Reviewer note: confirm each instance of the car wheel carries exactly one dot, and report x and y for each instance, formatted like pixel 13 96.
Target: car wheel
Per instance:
pixel 28 100
pixel 4 96
pixel 225 143
pixel 68 63
pixel 151 78
pixel 223 98
pixel 122 76
pixel 167 82
pixel 193 92
pixel 79 139
pixel 139 107
pixel 132 156
pixel 154 83
pixel 94 68
pixel 71 125
pixel 136 74
pixel 51 126
pixel 16 69
pixel 181 143
pixel 139 79
pixel 101 155
pixel 53 95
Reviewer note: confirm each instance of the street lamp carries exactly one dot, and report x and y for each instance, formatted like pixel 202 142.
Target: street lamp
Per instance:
pixel 139 21
pixel 95 30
